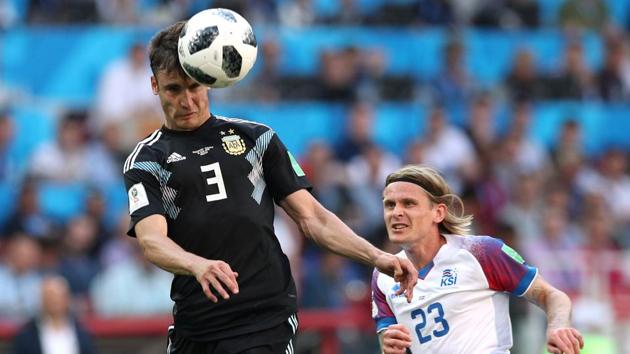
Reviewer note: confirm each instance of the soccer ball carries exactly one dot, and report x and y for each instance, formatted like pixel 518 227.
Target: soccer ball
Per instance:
pixel 217 47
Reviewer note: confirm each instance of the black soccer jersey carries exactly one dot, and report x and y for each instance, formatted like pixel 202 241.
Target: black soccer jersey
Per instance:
pixel 216 186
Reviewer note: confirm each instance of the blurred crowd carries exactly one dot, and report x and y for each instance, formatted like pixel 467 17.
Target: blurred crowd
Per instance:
pixel 565 209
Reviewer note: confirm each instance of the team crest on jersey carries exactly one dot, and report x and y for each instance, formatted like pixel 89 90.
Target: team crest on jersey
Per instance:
pixel 449 277
pixel 233 144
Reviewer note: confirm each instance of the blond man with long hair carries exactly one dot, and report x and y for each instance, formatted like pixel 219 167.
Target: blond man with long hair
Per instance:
pixel 460 305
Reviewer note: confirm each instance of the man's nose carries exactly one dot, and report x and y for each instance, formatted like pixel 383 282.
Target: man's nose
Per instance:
pixel 397 211
pixel 187 100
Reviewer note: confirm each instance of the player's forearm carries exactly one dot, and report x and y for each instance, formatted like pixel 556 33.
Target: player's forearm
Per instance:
pixel 558 309
pixel 555 303
pixel 166 254
pixel 328 231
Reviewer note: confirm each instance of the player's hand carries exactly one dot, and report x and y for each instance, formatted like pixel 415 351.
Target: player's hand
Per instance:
pixel 564 341
pixel 215 275
pixel 396 339
pixel 402 270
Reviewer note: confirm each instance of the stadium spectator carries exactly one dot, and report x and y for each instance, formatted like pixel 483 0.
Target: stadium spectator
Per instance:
pixel 54 329
pixel 414 153
pixel 359 131
pixel 554 251
pixel 445 139
pixel 296 14
pixel 366 173
pixel 27 217
pixel 530 155
pixel 327 176
pixel 75 262
pixel 11 168
pixel 124 99
pixel 66 159
pixel 453 84
pixel 436 12
pixel 111 289
pixel 118 247
pixel 8 15
pixel 524 210
pixel 119 12
pixel 611 182
pixel 481 127
pixel 611 82
pixel 523 81
pixel 569 146
pixel 20 278
pixel 338 76
pixel 575 79
pixel 325 286
pixel 96 209
pixel 269 84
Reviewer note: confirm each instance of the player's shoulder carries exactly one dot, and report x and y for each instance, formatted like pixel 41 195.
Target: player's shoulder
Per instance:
pixel 478 245
pixel 244 125
pixel 148 150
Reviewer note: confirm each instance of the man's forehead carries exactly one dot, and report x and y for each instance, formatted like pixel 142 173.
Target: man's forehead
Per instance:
pixel 402 189
pixel 173 77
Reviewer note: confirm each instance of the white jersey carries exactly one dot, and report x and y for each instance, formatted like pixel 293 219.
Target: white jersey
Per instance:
pixel 460 304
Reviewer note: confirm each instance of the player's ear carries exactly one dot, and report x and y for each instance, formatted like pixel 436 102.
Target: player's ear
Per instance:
pixel 440 213
pixel 154 85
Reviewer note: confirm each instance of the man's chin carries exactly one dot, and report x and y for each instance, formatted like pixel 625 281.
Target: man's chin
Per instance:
pixel 399 240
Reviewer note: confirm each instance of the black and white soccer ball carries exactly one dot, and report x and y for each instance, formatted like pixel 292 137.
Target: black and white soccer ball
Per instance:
pixel 217 47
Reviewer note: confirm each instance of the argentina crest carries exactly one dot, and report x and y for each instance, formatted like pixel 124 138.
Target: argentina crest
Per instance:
pixel 233 143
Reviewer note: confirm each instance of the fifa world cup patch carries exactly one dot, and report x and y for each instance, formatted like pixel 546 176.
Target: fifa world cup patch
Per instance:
pixel 137 197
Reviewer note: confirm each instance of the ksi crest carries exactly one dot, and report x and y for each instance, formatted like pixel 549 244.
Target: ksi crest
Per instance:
pixel 233 144
pixel 449 277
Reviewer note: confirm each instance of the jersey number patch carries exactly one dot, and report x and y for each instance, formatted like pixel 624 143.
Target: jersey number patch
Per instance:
pixel 437 312
pixel 217 179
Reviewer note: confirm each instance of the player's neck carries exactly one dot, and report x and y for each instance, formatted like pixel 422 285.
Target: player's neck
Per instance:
pixel 423 253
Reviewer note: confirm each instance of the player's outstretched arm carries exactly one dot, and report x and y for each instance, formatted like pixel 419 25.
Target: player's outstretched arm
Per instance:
pixel 328 231
pixel 395 339
pixel 561 337
pixel 160 250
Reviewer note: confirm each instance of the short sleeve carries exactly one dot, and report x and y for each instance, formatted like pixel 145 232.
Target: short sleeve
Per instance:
pixel 503 267
pixel 381 312
pixel 283 174
pixel 143 192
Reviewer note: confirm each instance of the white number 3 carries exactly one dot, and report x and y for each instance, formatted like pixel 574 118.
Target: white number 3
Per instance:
pixel 217 179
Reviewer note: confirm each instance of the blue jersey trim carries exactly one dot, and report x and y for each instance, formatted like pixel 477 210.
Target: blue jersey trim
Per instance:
pixel 525 282
pixel 384 323
pixel 422 273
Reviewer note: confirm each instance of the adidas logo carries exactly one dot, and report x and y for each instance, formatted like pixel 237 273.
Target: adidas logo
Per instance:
pixel 174 157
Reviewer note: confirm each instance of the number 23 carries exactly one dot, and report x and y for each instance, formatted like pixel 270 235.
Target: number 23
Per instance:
pixel 439 319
